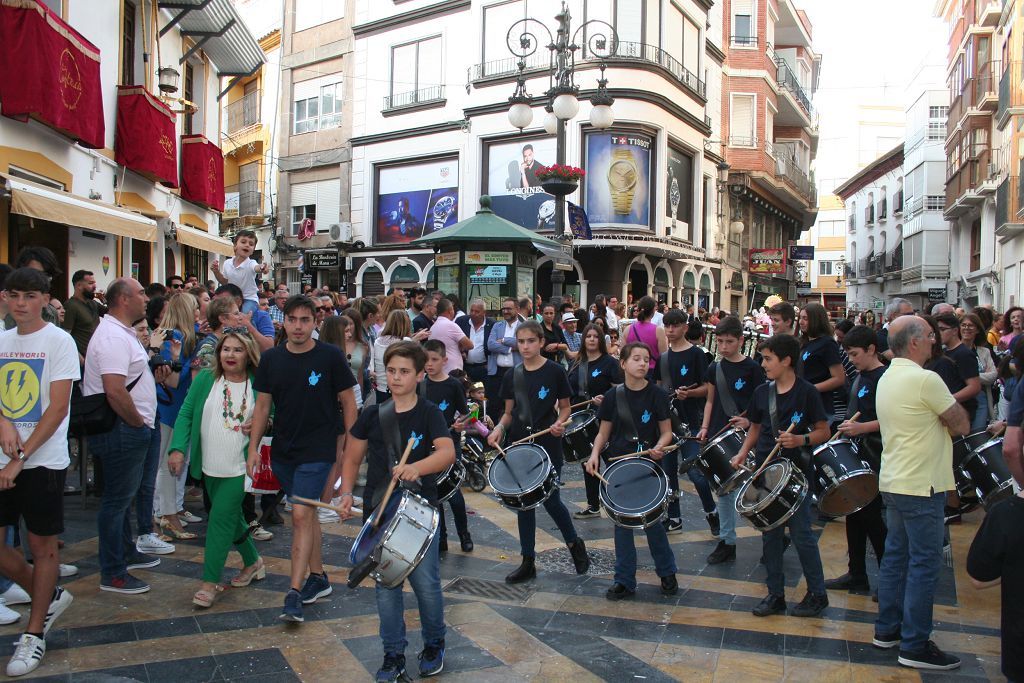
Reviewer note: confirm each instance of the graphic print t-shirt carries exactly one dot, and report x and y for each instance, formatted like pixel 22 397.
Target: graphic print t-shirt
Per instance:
pixel 447 395
pixel 801 404
pixel 601 375
pixel 686 369
pixel 648 407
pixel 817 357
pixel 867 387
pixel 741 378
pixel 544 387
pixel 28 364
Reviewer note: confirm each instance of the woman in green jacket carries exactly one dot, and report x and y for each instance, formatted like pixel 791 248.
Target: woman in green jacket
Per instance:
pixel 213 425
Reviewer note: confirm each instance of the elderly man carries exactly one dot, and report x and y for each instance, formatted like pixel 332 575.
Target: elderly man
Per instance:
pixel 449 333
pixel 916 415
pixel 504 353
pixel 896 308
pixel 277 310
pixel 477 326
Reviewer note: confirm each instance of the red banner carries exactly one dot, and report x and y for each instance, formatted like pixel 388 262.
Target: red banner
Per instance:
pixel 146 139
pixel 49 72
pixel 202 172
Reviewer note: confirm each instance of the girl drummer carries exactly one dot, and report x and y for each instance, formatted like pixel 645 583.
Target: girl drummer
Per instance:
pixel 595 374
pixel 649 409
pixel 821 362
pixel 787 411
pixel 536 395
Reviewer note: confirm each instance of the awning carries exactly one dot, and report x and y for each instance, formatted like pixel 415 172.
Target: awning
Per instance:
pixel 36 201
pixel 203 240
pixel 216 28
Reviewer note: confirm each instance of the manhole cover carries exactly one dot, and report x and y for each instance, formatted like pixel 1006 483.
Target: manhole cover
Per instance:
pixel 491 590
pixel 601 561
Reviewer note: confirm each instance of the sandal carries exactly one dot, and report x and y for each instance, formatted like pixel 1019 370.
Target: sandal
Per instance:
pixel 244 578
pixel 205 598
pixel 175 533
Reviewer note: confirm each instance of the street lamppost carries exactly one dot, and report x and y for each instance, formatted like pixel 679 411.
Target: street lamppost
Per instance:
pixel 563 105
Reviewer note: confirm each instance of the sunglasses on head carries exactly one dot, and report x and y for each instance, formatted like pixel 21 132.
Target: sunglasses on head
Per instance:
pixel 236 330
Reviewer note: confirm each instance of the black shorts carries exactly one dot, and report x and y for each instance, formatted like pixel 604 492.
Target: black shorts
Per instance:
pixel 38 497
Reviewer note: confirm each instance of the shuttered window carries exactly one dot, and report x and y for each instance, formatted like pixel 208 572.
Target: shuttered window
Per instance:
pixel 319 200
pixel 741 121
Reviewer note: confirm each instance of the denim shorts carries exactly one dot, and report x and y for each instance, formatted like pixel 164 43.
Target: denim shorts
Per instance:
pixel 306 479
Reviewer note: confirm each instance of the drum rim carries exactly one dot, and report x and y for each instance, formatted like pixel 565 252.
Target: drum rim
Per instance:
pixel 583 425
pixel 1002 487
pixel 829 444
pixel 502 456
pixel 718 439
pixel 405 495
pixel 761 504
pixel 825 495
pixel 785 518
pixel 620 465
pixel 422 553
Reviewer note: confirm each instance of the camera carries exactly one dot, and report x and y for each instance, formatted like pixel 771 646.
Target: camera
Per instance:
pixel 158 361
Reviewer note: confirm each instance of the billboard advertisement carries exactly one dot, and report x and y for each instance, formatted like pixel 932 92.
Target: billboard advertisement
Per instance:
pixel 511 181
pixel 417 199
pixel 618 180
pixel 679 186
pixel 768 261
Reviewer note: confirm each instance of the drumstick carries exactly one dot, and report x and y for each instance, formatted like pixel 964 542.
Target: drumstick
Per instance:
pixel 391 485
pixel 533 436
pixel 320 504
pixel 775 451
pixel 666 449
pixel 581 404
pixel 839 434
pixel 727 426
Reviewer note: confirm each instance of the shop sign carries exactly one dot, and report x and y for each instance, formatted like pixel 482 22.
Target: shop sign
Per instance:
pixel 501 258
pixel 322 259
pixel 801 252
pixel 450 258
pixel 768 261
pixel 488 275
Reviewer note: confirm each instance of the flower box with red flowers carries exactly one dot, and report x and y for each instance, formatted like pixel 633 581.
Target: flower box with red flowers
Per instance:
pixel 560 180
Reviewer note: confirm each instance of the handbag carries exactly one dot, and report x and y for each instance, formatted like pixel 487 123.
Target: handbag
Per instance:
pixel 263 480
pixel 91 415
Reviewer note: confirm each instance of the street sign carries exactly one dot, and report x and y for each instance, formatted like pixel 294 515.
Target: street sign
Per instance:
pixel 801 252
pixel 936 294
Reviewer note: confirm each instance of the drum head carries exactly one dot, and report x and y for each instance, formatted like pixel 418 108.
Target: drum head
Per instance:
pixel 734 433
pixel 579 420
pixel 522 468
pixel 368 539
pixel 767 484
pixel 843 444
pixel 634 485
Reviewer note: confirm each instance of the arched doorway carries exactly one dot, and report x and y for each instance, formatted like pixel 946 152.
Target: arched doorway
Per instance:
pixel 405 276
pixel 689 289
pixel 661 285
pixel 639 282
pixel 707 286
pixel 373 281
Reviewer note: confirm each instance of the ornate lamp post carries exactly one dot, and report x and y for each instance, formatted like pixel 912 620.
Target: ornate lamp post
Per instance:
pixel 562 93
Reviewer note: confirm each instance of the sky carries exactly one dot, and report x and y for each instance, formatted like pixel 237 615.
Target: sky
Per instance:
pixel 870 52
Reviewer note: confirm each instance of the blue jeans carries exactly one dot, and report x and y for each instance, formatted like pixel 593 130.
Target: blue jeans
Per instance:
pixel 910 567
pixel 147 489
pixel 625 554
pixel 690 450
pixel 980 419
pixel 426 584
pixel 122 452
pixel 527 519
pixel 806 547
pixel 727 517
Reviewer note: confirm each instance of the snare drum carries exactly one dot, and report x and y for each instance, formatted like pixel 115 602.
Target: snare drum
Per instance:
pixel 963 446
pixel 989 473
pixel 637 493
pixel 523 477
pixel 400 542
pixel 770 499
pixel 450 481
pixel 846 481
pixel 578 440
pixel 715 462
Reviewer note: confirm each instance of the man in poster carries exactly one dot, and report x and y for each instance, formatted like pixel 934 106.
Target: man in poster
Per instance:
pixel 402 222
pixel 529 167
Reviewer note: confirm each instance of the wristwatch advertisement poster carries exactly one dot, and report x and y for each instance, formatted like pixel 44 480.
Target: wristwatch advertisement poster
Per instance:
pixel 618 181
pixel 679 187
pixel 511 180
pixel 416 199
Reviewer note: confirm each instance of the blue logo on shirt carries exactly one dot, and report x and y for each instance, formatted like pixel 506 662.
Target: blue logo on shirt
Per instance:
pixel 683 370
pixel 863 392
pixel 417 438
pixel 543 393
pixel 646 417
pixel 797 418
pixel 443 406
pixel 739 384
pixel 596 372
pixel 314 378
pixel 806 355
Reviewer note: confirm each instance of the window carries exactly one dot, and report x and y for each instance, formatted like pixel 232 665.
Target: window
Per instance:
pixel 831 228
pixel 416 66
pixel 317 104
pixel 497 20
pixel 629 15
pixel 128 44
pixel 741 121
pixel 319 200
pixel 195 261
pixel 934 202
pixel 301 213
pixel 938 112
pixel 976 245
pixel 309 13
pixel 188 92
pixel 826 268
pixel 682 39
pixel 937 129
pixel 55 6
pixel 744 33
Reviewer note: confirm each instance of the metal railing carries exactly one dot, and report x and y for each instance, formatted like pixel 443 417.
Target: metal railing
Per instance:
pixel 976 89
pixel 787 80
pixel 249 198
pixel 788 170
pixel 1008 204
pixel 742 141
pixel 897 203
pixel 894 260
pixel 1011 94
pixel 968 176
pixel 743 41
pixel 434 93
pixel 244 112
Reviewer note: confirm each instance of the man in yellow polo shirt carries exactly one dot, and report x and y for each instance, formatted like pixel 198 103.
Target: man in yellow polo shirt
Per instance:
pixel 916 415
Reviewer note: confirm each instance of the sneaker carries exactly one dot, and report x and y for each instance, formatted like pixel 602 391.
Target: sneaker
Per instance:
pixel 67 570
pixel 317 586
pixel 587 513
pixel 723 552
pixel 930 657
pixel 260 534
pixel 288 506
pixel 141 561
pixel 27 655
pixel 886 641
pixel 431 660
pixel 673 526
pixel 292 607
pixel 151 543
pixel 187 517
pixel 811 606
pixel 7 615
pixel 619 592
pixel 952 515
pixel 669 585
pixel 127 584
pixel 772 604
pixel 327 516
pixel 392 670
pixel 16 595
pixel 713 522
pixel 850 582
pixel 61 601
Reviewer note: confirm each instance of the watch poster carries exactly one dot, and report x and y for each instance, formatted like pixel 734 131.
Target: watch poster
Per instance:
pixel 516 194
pixel 679 187
pixel 414 200
pixel 618 180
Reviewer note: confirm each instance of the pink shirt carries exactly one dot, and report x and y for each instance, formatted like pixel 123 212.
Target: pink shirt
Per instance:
pixel 648 334
pixel 449 334
pixel 115 350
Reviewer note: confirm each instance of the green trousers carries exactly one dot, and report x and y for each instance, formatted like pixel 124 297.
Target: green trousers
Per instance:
pixel 226 524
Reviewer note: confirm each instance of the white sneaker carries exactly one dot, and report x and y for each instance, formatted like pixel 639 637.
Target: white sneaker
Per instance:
pixel 16 595
pixel 153 545
pixel 187 516
pixel 327 516
pixel 7 615
pixel 261 534
pixel 67 570
pixel 288 506
pixel 56 608
pixel 27 655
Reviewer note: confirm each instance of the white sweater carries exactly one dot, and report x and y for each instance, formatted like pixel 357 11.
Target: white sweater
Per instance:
pixel 223 454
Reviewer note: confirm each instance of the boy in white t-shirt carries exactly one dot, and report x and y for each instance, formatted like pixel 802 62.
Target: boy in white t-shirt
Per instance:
pixel 38 364
pixel 241 270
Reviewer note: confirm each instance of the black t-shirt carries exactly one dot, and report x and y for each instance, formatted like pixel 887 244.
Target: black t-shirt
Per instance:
pixel 602 374
pixel 817 357
pixel 867 385
pixel 647 406
pixel 421 322
pixel 424 422
pixel 448 395
pixel 304 388
pixel 966 361
pixel 998 552
pixel 801 404
pixel 553 336
pixel 741 379
pixel 685 369
pixel 544 386
pixel 883 341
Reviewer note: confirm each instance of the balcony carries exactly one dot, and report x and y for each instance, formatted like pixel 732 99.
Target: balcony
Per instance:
pixel 1009 219
pixel 244 112
pixel 869 215
pixel 415 99
pixel 787 170
pixel 986 12
pixel 852 222
pixel 897 203
pixel 894 260
pixel 968 185
pixel 802 114
pixel 743 41
pixel 1011 93
pixel 882 213
pixel 243 201
pixel 979 95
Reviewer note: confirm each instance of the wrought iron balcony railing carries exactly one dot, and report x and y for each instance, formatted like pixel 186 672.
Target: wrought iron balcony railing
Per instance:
pixel 434 93
pixel 244 112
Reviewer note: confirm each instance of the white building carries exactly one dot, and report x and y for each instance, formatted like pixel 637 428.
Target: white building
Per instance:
pixel 823 279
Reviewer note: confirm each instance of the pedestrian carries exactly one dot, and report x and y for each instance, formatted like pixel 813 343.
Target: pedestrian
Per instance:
pixel 83 311
pixel 451 335
pixel 504 355
pixel 643 330
pixel 241 270
pixel 477 326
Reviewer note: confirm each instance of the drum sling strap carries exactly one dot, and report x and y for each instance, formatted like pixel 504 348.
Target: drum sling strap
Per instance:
pixel 724 395
pixel 665 380
pixel 523 408
pixel 851 404
pixel 773 411
pixel 583 376
pixel 870 444
pixel 626 423
pixel 393 446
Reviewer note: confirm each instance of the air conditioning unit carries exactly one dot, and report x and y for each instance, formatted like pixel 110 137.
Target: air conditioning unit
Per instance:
pixel 341 232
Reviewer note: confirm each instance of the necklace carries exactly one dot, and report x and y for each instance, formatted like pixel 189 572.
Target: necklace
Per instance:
pixel 233 421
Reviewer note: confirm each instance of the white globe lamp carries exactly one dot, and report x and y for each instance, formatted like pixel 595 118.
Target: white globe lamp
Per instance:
pixel 566 106
pixel 550 123
pixel 601 116
pixel 520 115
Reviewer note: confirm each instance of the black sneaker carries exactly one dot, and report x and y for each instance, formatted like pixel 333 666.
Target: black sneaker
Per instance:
pixel 811 606
pixel 392 670
pixel 930 657
pixel 580 559
pixel 587 513
pixel 432 660
pixel 952 515
pixel 772 604
pixel 713 522
pixel 886 641
pixel 723 552
pixel 139 560
pixel 618 592
pixel 673 526
pixel 669 585
pixel 850 582
pixel 317 586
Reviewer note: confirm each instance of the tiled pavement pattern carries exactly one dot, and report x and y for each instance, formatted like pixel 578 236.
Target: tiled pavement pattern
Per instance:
pixel 557 628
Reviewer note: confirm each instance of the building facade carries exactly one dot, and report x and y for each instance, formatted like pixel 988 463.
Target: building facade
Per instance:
pixel 1009 120
pixel 823 278
pixel 90 162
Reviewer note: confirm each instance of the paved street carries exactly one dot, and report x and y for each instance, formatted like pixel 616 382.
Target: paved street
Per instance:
pixel 559 627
